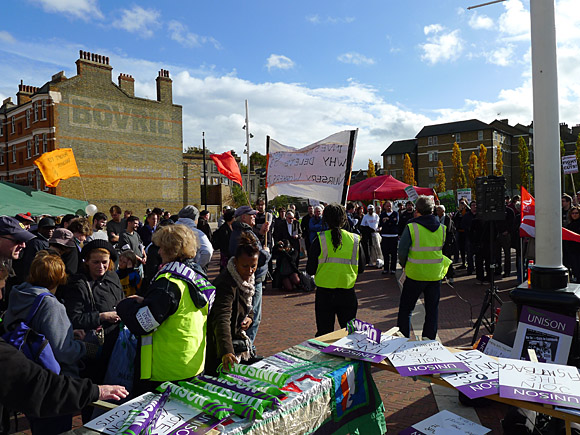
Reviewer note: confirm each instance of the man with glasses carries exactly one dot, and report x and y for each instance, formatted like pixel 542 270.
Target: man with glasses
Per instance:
pixel 13 238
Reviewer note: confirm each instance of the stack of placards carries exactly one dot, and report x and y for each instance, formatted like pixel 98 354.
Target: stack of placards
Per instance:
pixel 548 334
pixel 445 423
pixel 415 358
pixel 552 384
pixel 482 378
pixel 489 346
pixel 358 346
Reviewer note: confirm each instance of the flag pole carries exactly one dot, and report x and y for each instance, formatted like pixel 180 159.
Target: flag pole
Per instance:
pixel 247 128
pixel 348 169
pixel 204 171
pixel 83 187
pixel 267 159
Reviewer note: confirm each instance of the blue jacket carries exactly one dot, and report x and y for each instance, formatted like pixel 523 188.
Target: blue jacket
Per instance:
pixel 315 226
pixel 50 320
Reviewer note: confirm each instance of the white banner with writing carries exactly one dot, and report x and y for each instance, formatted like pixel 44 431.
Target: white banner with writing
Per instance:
pixel 317 171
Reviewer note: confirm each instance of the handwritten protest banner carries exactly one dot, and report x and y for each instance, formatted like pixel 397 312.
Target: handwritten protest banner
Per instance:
pixel 482 378
pixel 549 334
pixel 57 165
pixel 552 384
pixel 492 347
pixel 358 346
pixel 319 171
pixel 411 193
pixel 415 358
pixel 446 423
pixel 570 164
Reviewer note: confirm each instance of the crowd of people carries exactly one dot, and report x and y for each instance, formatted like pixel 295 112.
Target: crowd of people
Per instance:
pixel 151 276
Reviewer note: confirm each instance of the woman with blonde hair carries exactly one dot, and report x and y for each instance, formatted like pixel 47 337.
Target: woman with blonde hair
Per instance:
pixel 171 317
pixel 47 272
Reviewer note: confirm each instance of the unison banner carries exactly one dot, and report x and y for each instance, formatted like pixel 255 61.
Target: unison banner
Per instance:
pixel 318 171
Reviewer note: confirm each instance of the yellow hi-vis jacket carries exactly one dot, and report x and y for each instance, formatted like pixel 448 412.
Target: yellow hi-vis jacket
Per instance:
pixel 176 349
pixel 337 269
pixel 426 261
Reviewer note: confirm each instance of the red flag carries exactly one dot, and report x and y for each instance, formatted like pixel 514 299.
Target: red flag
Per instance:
pixel 227 165
pixel 528 225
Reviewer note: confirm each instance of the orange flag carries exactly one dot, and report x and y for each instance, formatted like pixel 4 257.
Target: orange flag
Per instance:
pixel 57 165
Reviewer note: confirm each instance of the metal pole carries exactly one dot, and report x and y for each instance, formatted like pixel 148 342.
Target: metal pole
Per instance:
pixel 204 172
pixel 546 135
pixel 248 149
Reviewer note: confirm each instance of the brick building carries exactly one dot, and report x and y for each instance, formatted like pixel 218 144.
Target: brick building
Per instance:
pixel 128 149
pixel 394 156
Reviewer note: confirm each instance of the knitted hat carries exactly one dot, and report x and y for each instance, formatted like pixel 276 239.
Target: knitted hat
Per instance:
pixel 98 244
pixel 190 212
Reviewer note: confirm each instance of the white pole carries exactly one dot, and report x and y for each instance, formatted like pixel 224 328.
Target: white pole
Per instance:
pixel 248 149
pixel 546 135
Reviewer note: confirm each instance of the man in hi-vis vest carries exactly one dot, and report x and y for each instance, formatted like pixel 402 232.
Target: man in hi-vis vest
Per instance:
pixel 420 253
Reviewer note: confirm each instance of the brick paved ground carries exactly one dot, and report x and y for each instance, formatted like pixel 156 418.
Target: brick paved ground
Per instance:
pixel 288 319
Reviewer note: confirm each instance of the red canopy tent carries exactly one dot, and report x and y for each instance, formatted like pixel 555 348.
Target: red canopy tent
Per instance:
pixel 382 187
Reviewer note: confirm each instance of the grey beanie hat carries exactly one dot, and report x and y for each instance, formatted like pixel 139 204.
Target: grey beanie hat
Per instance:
pixel 189 211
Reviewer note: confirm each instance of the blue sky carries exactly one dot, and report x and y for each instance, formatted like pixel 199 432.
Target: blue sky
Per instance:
pixel 307 68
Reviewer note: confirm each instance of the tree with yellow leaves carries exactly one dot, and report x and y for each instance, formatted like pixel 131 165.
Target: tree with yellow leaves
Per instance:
pixel 525 165
pixel 458 180
pixel 440 179
pixel 472 170
pixel 408 171
pixel 498 163
pixel 371 171
pixel 482 160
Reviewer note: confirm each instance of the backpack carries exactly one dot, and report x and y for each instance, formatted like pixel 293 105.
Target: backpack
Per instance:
pixel 34 345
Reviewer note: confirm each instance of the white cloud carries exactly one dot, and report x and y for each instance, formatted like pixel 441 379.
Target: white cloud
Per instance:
pixel 356 59
pixel 480 22
pixel 502 56
pixel 315 19
pixel 6 37
pixel 83 9
pixel 279 61
pixel 138 20
pixel 515 21
pixel 441 47
pixel 180 32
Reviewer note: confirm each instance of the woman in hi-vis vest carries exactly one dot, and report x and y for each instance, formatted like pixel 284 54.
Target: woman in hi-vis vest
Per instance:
pixel 335 259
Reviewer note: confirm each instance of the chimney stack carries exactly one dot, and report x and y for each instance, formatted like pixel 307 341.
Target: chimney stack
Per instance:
pixel 164 87
pixel 24 93
pixel 127 84
pixel 94 66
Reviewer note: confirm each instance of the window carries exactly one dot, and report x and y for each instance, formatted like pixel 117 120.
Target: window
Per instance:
pixel 13 153
pixel 480 135
pixel 38 180
pixel 35 110
pixel 43 110
pixel 433 156
pixel 44 143
pixel 13 124
pixel 457 137
pixel 1 158
pixel 430 140
pixel 252 186
pixel 28 149
pixel 27 118
pixel 431 172
pixel 30 178
pixel 215 181
pixel 35 145
pixel 1 128
pixel 391 160
pixel 435 141
pixel 495 135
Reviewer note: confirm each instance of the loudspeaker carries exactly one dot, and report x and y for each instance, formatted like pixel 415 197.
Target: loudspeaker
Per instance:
pixel 490 193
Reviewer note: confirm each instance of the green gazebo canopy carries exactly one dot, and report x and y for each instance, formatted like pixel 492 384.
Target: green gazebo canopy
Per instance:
pixel 16 199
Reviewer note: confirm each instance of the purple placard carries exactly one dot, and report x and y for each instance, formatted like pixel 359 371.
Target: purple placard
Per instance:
pixel 197 425
pixel 368 329
pixel 518 393
pixel 353 353
pixel 548 320
pixel 411 431
pixel 432 368
pixel 480 389
pixel 483 343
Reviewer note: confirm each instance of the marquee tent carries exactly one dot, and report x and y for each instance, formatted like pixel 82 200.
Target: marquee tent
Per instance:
pixel 382 187
pixel 16 199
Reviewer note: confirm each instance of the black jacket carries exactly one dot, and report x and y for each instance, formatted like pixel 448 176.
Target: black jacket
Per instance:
pixel 224 322
pixel 22 265
pixel 389 224
pixel 282 233
pixel 76 297
pixel 238 228
pixel 29 388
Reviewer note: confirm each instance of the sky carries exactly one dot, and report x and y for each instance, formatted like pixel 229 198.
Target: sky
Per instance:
pixel 307 68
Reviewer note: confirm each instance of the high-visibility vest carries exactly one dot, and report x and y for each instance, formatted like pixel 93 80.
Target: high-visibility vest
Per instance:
pixel 176 349
pixel 337 269
pixel 425 261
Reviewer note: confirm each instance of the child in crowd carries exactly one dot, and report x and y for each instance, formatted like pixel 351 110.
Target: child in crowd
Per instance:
pixel 129 276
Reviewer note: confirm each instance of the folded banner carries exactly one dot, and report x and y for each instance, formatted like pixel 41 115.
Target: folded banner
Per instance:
pixel 227 165
pixel 57 165
pixel 319 171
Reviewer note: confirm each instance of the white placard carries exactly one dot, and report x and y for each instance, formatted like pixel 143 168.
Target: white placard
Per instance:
pixel 481 380
pixel 569 164
pixel 492 347
pixel 358 346
pixel 317 171
pixel 415 358
pixel 411 193
pixel 464 193
pixel 445 423
pixel 551 384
